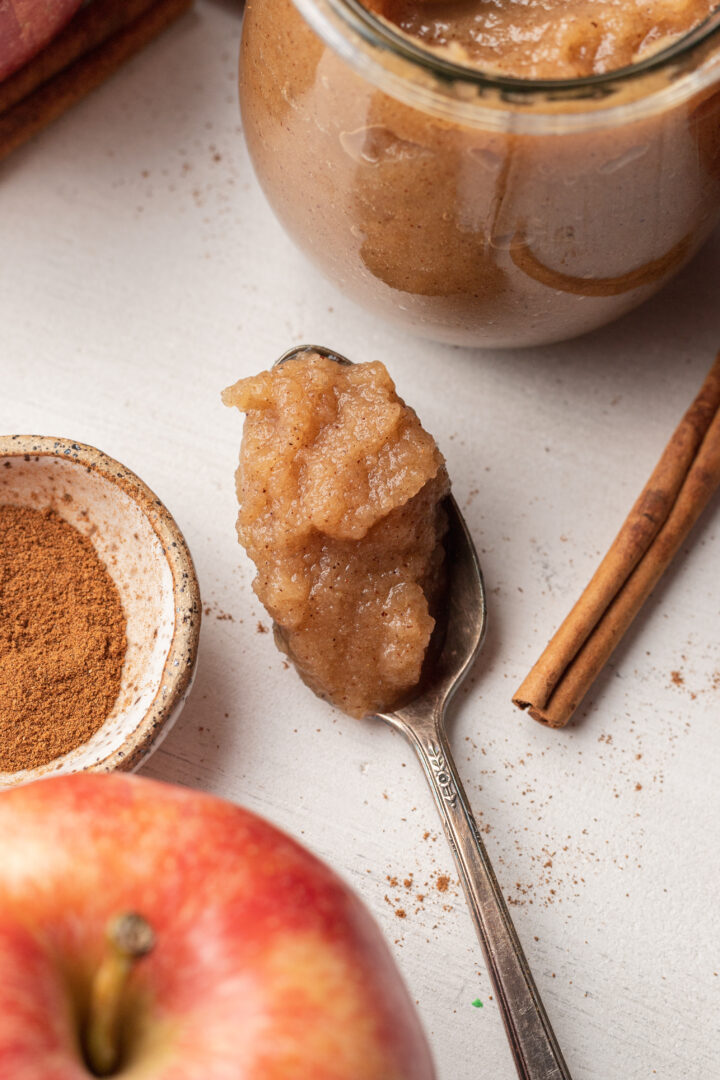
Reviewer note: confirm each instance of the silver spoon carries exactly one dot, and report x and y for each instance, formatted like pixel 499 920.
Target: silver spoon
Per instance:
pixel 422 721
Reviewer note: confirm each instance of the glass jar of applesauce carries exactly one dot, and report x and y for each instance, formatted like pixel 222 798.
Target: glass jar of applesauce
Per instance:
pixel 477 209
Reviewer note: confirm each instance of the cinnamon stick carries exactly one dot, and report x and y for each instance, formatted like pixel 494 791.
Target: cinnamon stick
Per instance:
pixel 678 490
pixel 98 40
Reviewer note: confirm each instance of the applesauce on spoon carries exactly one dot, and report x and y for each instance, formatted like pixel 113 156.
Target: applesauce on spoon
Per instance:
pixel 340 493
pixel 328 449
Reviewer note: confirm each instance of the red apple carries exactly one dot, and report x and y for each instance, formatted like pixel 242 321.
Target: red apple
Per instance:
pixel 26 26
pixel 265 966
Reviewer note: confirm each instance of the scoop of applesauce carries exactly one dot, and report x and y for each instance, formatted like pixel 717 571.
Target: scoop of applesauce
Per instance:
pixel 340 491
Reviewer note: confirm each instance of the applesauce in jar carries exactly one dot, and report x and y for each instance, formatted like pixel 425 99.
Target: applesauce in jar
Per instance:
pixel 340 491
pixel 491 175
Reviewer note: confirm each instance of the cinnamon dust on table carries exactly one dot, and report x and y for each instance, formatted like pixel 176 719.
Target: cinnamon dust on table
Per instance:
pixel 62 638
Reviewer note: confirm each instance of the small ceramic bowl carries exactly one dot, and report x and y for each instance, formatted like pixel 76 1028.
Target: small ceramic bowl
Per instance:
pixel 148 559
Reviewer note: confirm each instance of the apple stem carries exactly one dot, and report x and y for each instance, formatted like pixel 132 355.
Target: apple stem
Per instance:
pixel 128 937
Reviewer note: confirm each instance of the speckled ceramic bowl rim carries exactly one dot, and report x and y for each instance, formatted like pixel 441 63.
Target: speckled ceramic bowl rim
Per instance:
pixel 179 668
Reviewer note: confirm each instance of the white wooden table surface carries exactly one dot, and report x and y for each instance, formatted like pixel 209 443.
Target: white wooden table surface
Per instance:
pixel 141 272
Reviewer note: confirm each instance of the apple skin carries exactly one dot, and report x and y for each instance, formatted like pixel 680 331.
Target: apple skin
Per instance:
pixel 266 966
pixel 26 26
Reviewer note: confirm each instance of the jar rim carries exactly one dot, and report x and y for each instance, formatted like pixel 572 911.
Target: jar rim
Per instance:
pixel 403 43
pixel 671 75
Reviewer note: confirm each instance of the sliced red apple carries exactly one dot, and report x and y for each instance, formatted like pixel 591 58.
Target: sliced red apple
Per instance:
pixel 26 26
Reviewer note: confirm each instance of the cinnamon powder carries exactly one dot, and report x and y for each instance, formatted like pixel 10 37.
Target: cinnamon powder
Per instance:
pixel 62 638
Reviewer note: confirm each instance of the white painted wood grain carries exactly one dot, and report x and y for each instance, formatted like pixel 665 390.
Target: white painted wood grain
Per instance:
pixel 141 272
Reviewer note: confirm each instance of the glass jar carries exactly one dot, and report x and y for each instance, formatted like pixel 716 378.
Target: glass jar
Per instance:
pixel 479 210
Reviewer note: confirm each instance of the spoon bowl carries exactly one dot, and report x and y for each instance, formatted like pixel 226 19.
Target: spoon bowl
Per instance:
pixel 461 626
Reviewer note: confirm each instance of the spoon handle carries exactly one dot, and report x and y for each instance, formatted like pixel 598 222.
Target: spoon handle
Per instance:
pixel 532 1040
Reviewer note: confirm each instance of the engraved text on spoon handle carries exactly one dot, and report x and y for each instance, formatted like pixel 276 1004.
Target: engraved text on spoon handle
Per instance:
pixel 535 1049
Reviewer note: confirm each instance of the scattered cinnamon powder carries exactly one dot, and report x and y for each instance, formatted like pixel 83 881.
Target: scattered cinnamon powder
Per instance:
pixel 62 638
pixel 443 883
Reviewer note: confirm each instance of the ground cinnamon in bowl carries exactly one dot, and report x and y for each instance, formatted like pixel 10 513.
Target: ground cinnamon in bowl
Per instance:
pixel 62 638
